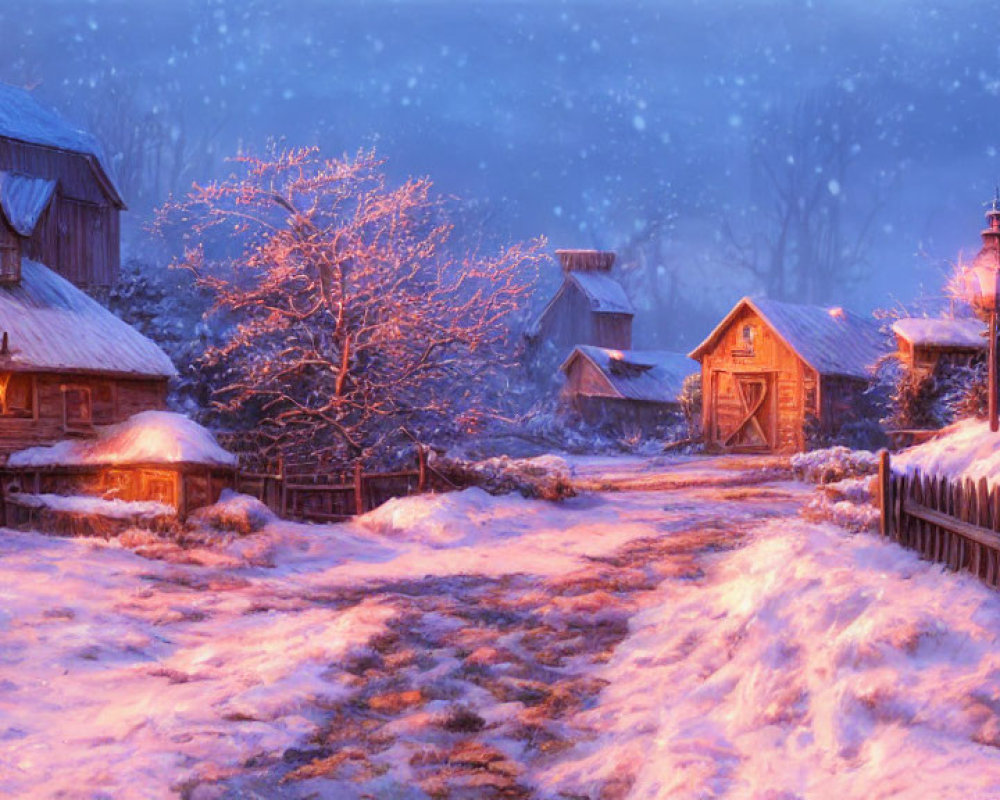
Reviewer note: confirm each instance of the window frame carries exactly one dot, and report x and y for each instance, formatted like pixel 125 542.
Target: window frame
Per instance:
pixel 84 426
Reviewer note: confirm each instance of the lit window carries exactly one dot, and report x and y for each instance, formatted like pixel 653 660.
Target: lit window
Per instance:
pixel 17 396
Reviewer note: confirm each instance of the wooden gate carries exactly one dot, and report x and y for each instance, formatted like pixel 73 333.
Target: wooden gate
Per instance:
pixel 743 411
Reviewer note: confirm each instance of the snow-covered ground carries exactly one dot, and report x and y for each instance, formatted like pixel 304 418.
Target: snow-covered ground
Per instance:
pixel 694 639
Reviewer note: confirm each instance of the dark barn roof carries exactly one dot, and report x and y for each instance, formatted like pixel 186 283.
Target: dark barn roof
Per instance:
pixel 605 294
pixel 830 340
pixel 24 119
pixel 653 376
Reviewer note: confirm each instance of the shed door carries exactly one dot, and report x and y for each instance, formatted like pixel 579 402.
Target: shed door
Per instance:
pixel 743 411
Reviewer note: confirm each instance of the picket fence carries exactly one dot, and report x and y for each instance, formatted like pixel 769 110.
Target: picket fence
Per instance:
pixel 953 522
pixel 312 495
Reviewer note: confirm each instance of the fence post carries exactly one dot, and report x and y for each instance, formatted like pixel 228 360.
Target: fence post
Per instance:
pixel 283 489
pixel 884 492
pixel 359 496
pixel 422 469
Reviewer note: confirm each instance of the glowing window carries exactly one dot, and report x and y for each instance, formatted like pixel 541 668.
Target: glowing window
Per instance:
pixel 17 395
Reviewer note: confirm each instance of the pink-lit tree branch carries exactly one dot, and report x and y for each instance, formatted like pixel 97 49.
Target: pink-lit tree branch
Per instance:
pixel 351 316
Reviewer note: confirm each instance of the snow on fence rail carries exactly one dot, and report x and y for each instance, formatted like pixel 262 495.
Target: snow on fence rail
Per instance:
pixel 952 521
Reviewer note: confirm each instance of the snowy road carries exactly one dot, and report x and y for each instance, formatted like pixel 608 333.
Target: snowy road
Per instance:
pixel 688 638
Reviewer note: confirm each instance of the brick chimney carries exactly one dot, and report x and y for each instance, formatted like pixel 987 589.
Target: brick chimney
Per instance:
pixel 586 260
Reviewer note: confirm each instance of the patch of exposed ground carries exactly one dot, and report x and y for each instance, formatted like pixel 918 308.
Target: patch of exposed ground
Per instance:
pixel 476 681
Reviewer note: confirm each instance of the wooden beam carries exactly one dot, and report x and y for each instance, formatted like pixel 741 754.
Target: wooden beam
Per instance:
pixel 983 536
pixel 884 481
pixel 359 496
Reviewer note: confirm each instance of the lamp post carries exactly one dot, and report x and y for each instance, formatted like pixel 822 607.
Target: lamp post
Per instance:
pixel 987 288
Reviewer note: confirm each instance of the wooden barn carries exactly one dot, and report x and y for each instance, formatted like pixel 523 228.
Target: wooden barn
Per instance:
pixel 770 370
pixel 58 202
pixel 923 343
pixel 636 387
pixel 68 364
pixel 590 306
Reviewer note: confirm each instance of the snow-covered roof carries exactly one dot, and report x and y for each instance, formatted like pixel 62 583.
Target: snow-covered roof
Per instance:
pixel 832 341
pixel 968 333
pixel 23 118
pixel 54 326
pixel 649 375
pixel 605 294
pixel 23 199
pixel 151 437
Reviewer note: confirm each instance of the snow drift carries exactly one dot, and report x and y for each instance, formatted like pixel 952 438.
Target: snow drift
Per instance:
pixel 811 663
pixel 151 437
pixel 965 450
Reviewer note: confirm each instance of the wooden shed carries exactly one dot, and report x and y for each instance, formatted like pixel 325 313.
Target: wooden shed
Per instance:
pixel 639 387
pixel 67 364
pixel 59 204
pixel 590 307
pixel 153 457
pixel 771 369
pixel 923 343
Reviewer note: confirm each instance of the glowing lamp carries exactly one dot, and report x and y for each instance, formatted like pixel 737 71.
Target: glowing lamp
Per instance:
pixel 985 280
pixel 985 286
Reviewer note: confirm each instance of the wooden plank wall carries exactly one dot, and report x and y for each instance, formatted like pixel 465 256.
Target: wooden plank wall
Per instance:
pixel 78 236
pixel 113 400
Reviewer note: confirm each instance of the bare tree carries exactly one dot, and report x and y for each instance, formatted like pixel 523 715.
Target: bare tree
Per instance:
pixel 796 236
pixel 350 317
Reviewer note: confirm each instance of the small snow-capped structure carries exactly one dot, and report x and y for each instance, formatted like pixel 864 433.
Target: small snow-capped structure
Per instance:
pixel 922 343
pixel 769 368
pixel 58 200
pixel 590 306
pixel 68 364
pixel 155 456
pixel 637 386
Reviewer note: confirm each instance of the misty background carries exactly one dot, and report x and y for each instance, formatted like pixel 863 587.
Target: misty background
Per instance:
pixel 834 152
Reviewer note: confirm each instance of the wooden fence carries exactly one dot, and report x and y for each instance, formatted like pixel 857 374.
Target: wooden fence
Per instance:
pixel 311 495
pixel 304 493
pixel 954 522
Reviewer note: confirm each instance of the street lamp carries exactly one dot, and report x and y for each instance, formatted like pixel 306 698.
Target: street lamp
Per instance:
pixel 986 288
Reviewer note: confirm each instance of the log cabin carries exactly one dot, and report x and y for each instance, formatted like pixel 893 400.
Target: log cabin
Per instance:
pixel 634 387
pixel 68 364
pixel 771 370
pixel 590 307
pixel 921 344
pixel 59 204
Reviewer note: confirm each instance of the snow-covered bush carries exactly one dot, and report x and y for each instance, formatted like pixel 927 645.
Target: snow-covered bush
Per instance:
pixel 163 305
pixel 833 464
pixel 932 399
pixel 849 503
pixel 546 477
pixel 235 513
pixel 691 399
